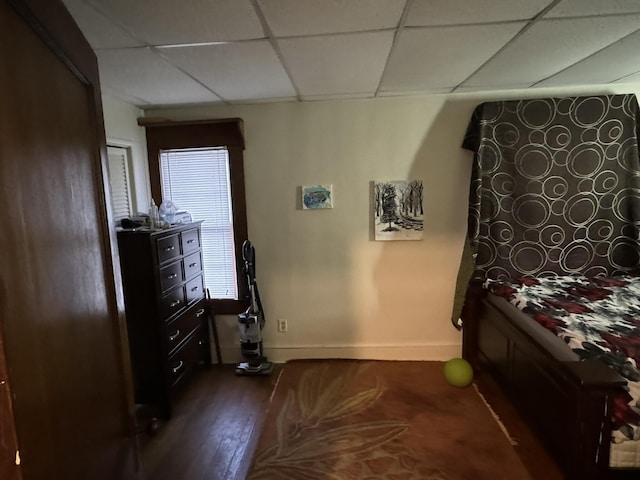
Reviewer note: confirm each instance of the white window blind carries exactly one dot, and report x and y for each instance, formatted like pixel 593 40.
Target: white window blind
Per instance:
pixel 197 180
pixel 119 182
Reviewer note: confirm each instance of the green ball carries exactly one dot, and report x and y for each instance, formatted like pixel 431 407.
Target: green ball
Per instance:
pixel 458 372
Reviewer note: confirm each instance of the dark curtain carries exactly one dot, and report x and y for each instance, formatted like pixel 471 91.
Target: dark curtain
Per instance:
pixel 555 187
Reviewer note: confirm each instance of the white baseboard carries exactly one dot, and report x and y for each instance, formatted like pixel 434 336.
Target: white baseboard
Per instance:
pixel 359 352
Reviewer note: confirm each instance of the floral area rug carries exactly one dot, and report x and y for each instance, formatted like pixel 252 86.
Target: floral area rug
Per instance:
pixel 365 420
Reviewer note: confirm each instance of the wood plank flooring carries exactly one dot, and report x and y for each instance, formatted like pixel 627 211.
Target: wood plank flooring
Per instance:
pixel 217 422
pixel 214 428
pixel 533 456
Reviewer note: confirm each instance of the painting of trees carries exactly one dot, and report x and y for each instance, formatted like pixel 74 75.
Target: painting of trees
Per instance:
pixel 389 207
pixel 398 210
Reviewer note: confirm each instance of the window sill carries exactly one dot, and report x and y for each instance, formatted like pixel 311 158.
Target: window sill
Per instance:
pixel 228 307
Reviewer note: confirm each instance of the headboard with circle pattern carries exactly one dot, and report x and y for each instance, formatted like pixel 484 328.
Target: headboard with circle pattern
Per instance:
pixel 555 186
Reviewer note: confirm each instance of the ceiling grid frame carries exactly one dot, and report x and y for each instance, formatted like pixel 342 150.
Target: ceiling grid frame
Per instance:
pixel 360 41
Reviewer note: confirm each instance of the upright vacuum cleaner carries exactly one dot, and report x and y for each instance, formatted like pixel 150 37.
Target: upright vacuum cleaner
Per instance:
pixel 251 322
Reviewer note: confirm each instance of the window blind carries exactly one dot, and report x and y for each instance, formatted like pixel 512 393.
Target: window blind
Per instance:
pixel 197 180
pixel 119 182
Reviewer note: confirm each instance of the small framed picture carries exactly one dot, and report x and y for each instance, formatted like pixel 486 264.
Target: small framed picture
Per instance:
pixel 398 213
pixel 315 197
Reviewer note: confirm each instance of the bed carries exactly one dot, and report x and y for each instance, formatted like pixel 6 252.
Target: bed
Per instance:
pixel 554 219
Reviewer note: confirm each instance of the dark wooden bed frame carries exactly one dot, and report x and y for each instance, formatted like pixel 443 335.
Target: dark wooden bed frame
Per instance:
pixel 566 401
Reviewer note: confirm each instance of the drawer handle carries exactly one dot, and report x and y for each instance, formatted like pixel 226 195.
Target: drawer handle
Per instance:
pixel 191 265
pixel 174 336
pixel 177 368
pixel 190 241
pixel 199 313
pixel 174 304
pixel 194 289
pixel 168 249
pixel 172 276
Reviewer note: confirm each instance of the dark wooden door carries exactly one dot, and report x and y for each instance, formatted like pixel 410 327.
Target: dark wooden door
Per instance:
pixel 60 306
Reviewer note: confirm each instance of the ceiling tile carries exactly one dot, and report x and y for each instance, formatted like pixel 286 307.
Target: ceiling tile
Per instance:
pixel 457 12
pixel 579 8
pixel 397 93
pixel 144 75
pixel 338 64
pixel 123 96
pixel 467 88
pixel 98 30
pixel 550 46
pixel 610 64
pixel 631 79
pixel 309 17
pixel 440 57
pixel 340 48
pixel 336 96
pixel 162 22
pixel 235 71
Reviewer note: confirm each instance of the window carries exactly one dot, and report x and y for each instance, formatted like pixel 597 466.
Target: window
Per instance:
pixel 197 180
pixel 119 181
pixel 198 165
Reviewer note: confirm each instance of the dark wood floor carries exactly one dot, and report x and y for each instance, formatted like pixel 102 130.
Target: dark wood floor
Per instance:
pixel 217 421
pixel 213 430
pixel 534 457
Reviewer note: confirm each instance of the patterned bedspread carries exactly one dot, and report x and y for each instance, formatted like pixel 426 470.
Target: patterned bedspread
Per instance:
pixel 597 318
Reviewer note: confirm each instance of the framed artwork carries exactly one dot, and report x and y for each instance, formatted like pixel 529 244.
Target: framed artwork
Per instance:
pixel 315 197
pixel 398 212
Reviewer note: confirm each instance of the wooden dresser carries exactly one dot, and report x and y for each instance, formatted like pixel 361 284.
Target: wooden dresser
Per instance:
pixel 165 310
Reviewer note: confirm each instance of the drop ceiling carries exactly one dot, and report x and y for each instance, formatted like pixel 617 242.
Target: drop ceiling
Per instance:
pixel 179 52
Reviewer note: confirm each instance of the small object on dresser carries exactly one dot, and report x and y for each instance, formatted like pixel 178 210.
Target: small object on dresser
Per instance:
pixel 167 211
pixel 129 223
pixel 153 214
pixel 182 216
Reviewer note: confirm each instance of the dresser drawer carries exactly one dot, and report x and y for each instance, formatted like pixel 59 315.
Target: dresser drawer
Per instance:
pixel 183 326
pixel 168 247
pixel 190 241
pixel 172 302
pixel 187 356
pixel 192 265
pixel 195 289
pixel 170 276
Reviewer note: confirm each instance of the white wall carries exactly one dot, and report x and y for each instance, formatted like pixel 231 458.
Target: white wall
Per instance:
pixel 344 294
pixel 122 129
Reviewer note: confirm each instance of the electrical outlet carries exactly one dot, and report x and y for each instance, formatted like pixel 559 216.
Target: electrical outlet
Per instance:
pixel 282 325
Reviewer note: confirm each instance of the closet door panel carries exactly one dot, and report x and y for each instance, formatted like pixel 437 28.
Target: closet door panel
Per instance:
pixel 60 303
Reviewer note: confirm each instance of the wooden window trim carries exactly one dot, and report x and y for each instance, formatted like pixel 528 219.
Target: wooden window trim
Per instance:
pixel 164 135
